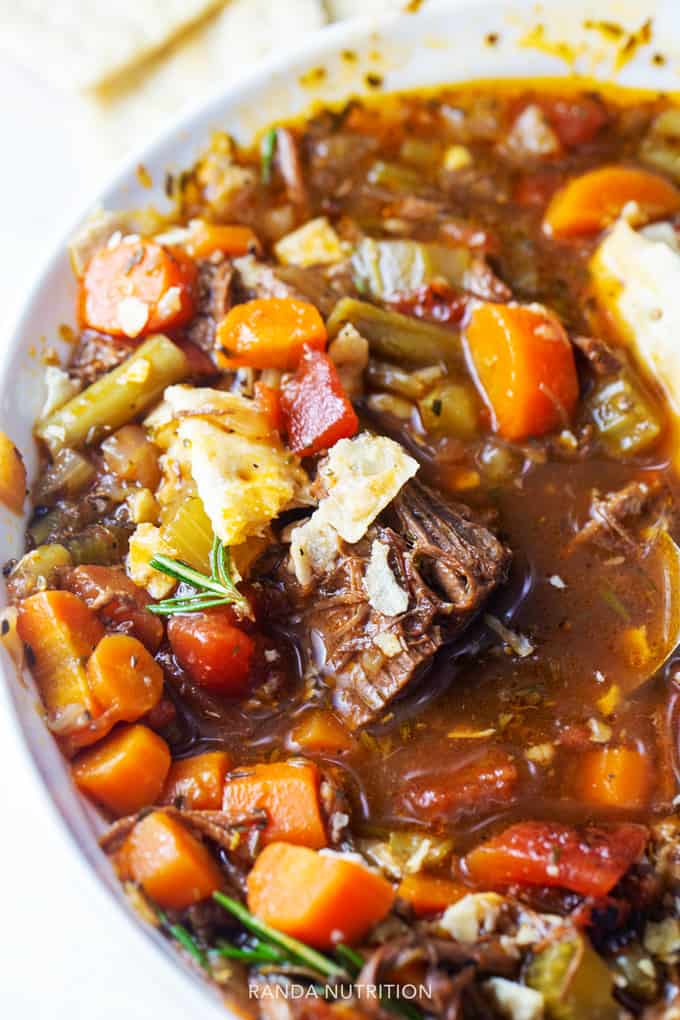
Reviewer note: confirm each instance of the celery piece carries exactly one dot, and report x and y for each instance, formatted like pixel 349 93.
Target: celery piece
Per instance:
pixel 624 417
pixel 117 398
pixel 421 152
pixel 412 384
pixel 397 337
pixel 37 570
pixel 387 268
pixel 661 145
pixel 101 544
pixel 575 982
pixel 450 409
pixel 70 473
pixel 189 533
pixel 394 175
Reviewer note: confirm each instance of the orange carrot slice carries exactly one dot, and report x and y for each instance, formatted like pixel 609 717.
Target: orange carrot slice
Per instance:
pixel 62 633
pixel 589 203
pixel 616 777
pixel 124 677
pixel 287 794
pixel 12 475
pixel 125 772
pixel 524 368
pixel 137 287
pixel 269 333
pixel 232 239
pixel 170 864
pixel 317 898
pixel 198 782
pixel 430 894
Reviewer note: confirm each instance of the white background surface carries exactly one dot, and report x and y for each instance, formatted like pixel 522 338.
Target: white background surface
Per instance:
pixel 55 959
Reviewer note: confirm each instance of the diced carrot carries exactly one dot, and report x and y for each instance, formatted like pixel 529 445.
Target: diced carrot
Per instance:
pixel 197 782
pixel 12 475
pixel 124 678
pixel 268 401
pixel 125 772
pixel 215 653
pixel 316 410
pixel 430 894
pixel 170 864
pixel 137 287
pixel 589 203
pixel 269 333
pixel 289 796
pixel 317 898
pixel 616 777
pixel 232 239
pixel 120 603
pixel 524 368
pixel 320 730
pixel 490 779
pixel 589 861
pixel 62 633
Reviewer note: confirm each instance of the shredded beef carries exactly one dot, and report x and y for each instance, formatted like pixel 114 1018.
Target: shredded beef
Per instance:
pixel 448 565
pixel 214 301
pixel 610 514
pixel 322 286
pixel 601 358
pixel 97 353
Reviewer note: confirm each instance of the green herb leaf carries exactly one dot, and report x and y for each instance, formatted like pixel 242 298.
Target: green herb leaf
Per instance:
pixel 298 952
pixel 218 589
pixel 185 939
pixel 267 155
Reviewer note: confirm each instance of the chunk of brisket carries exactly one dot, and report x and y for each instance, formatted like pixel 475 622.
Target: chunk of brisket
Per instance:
pixel 612 515
pixel 447 564
pixel 214 301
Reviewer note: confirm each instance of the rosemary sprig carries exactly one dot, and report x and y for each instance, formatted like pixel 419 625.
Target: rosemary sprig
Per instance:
pixel 267 155
pixel 218 589
pixel 293 951
pixel 185 939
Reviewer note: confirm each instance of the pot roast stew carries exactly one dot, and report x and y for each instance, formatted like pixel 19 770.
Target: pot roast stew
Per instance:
pixel 352 584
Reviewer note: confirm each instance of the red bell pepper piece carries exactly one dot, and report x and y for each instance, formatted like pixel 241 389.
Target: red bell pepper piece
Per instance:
pixel 316 410
pixel 590 860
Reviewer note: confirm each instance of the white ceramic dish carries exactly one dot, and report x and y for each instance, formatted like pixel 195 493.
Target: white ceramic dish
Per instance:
pixel 443 42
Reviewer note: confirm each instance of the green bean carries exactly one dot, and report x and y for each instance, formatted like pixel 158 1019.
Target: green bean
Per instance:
pixel 117 398
pixel 625 418
pixel 451 409
pixel 397 337
pixel 661 146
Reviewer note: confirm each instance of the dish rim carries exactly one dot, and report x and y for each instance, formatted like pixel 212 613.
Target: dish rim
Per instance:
pixel 320 46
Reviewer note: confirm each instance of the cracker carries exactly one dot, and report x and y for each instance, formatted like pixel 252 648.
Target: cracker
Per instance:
pixel 80 44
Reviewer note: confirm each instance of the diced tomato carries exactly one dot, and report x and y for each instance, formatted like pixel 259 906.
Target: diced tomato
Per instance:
pixel 589 861
pixel 137 287
pixel 575 121
pixel 435 302
pixel 488 780
pixel 215 653
pixel 316 410
pixel 268 401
